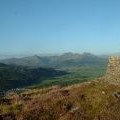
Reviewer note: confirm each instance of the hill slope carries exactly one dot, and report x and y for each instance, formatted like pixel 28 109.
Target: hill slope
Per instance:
pixel 19 76
pixel 94 100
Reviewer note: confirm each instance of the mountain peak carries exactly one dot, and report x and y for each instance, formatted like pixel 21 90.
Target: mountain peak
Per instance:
pixel 87 54
pixel 36 56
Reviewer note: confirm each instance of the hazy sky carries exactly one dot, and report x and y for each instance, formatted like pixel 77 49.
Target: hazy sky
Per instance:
pixel 57 26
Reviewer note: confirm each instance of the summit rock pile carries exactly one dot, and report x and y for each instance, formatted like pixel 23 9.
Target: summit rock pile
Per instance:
pixel 113 70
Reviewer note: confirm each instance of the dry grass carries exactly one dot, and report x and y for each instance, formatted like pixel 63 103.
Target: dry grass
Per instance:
pixel 86 101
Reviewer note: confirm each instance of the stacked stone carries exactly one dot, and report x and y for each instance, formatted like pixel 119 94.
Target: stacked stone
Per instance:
pixel 113 70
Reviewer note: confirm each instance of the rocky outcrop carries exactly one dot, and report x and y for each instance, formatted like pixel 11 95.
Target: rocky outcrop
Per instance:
pixel 113 70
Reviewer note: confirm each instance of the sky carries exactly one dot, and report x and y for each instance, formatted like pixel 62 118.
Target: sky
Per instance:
pixel 58 26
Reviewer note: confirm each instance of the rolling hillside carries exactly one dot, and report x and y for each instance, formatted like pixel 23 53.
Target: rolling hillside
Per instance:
pixel 93 100
pixel 12 76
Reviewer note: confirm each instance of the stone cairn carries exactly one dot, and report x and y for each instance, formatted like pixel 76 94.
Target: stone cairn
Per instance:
pixel 113 70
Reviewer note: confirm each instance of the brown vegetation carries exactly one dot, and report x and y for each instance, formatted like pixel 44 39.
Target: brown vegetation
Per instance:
pixel 93 100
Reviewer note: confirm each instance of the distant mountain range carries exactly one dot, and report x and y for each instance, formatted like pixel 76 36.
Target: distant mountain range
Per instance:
pixel 20 72
pixel 58 61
